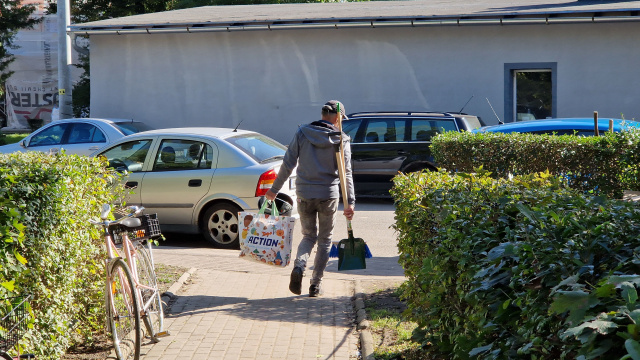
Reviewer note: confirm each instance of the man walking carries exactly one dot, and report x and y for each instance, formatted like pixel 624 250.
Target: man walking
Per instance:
pixel 313 150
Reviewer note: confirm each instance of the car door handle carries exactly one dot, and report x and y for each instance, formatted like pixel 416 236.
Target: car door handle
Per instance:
pixel 195 182
pixel 131 184
pixel 94 148
pixel 402 152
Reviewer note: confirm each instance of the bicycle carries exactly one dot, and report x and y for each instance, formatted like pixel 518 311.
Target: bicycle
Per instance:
pixel 131 289
pixel 13 325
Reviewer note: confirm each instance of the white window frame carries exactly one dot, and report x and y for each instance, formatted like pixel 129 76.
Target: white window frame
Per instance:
pixel 510 70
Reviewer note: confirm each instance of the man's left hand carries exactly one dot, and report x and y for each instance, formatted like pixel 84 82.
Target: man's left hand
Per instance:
pixel 270 195
pixel 349 211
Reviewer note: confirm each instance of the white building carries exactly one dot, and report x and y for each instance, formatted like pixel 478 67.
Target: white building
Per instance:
pixel 271 67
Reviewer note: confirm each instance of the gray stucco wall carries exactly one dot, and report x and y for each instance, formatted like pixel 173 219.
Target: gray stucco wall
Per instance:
pixel 274 80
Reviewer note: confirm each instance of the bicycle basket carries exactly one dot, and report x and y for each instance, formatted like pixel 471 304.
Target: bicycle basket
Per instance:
pixel 149 227
pixel 13 324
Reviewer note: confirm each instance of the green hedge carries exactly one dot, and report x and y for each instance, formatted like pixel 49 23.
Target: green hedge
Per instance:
pixel 604 165
pixel 517 268
pixel 49 249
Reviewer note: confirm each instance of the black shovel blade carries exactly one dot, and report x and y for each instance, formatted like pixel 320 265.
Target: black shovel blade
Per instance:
pixel 351 254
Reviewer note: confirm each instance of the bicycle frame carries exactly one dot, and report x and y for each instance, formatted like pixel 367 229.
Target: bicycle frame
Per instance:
pixel 112 254
pixel 128 252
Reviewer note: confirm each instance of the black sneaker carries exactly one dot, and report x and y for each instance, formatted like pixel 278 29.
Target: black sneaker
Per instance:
pixel 295 284
pixel 315 290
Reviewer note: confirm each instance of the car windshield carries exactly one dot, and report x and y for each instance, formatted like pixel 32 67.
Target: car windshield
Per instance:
pixel 258 147
pixel 128 156
pixel 128 128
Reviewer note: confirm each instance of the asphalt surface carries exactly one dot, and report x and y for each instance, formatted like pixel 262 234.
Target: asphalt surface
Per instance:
pixel 372 222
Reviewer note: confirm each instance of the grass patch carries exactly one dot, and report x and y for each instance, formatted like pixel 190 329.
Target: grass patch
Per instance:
pixel 390 330
pixel 6 139
pixel 167 275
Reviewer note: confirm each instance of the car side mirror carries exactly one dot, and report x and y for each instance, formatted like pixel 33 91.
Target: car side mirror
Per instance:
pixel 23 143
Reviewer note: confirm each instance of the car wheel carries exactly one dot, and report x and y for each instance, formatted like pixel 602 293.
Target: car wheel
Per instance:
pixel 220 225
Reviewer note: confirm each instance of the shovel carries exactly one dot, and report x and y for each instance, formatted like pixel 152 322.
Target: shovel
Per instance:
pixel 351 251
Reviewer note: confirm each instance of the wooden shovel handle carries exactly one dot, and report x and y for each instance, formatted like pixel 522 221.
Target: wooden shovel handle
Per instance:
pixel 342 173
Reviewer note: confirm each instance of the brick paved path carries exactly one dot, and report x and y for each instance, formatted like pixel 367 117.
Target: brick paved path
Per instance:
pixel 241 315
pixel 236 309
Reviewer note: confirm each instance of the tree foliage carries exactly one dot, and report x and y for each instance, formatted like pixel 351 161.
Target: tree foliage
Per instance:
pixel 13 17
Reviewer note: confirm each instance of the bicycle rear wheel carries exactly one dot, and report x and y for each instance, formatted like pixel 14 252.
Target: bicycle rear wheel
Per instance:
pixel 154 314
pixel 123 311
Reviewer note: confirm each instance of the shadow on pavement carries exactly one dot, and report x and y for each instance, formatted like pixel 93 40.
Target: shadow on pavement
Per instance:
pixel 294 309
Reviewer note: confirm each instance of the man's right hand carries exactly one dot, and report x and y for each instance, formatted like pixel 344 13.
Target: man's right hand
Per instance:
pixel 270 195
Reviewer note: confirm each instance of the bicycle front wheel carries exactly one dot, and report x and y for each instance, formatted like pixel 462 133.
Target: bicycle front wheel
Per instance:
pixel 123 311
pixel 152 303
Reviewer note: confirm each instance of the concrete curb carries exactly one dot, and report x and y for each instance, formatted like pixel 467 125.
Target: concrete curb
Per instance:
pixel 173 289
pixel 366 339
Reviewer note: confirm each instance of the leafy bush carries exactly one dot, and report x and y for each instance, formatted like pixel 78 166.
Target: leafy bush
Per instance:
pixel 604 165
pixel 48 248
pixel 517 268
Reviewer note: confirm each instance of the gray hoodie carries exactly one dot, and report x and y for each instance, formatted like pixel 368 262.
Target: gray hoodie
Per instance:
pixel 313 151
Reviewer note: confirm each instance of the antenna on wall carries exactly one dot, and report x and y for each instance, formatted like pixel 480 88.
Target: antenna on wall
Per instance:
pixel 494 112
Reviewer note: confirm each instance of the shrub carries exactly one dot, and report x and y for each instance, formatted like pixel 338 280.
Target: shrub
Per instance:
pixel 604 165
pixel 522 267
pixel 48 248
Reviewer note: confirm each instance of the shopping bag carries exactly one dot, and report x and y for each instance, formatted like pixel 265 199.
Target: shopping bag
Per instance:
pixel 266 238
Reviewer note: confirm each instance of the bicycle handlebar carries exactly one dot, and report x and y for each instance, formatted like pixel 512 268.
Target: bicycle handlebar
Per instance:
pixel 106 210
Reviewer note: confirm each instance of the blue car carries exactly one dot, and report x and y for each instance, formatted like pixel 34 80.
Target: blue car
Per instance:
pixel 565 126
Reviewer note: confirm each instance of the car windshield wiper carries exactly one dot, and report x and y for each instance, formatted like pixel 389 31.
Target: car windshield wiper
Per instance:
pixel 277 157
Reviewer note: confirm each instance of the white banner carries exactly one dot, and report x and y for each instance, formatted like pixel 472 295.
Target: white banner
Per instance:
pixel 32 90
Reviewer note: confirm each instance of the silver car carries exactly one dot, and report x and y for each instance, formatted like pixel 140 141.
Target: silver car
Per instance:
pixel 198 179
pixel 76 136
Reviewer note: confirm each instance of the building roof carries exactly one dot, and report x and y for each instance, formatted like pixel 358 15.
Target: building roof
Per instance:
pixel 370 13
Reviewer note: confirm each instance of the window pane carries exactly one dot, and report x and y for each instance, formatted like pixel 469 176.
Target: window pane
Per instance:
pixel 259 147
pixel 351 128
pixel 85 133
pixel 98 137
pixel 375 131
pixel 128 156
pixel 49 136
pixel 385 131
pixel 183 155
pixel 424 130
pixel 533 94
pixel 206 159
